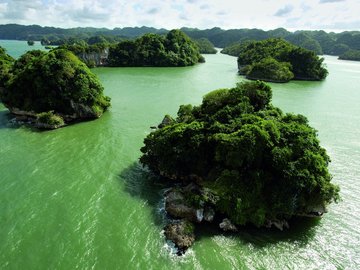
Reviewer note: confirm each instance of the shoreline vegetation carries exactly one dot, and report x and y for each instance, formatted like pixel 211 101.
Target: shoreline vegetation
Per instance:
pixel 236 160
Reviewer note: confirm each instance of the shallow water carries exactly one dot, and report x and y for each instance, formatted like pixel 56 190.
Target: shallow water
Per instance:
pixel 77 198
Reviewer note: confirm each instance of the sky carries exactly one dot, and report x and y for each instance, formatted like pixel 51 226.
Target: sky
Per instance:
pixel 330 15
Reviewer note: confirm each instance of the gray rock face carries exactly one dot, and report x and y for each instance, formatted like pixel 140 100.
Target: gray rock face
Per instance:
pixel 227 226
pixel 279 224
pixel 181 233
pixel 176 206
pixel 98 58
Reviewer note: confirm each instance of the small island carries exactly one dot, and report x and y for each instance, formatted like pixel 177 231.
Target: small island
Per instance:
pixel 236 160
pixel 50 90
pixel 175 49
pixel 276 60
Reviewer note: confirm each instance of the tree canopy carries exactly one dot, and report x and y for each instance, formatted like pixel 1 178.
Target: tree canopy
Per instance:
pixel 6 62
pixel 56 81
pixel 302 63
pixel 174 49
pixel 263 164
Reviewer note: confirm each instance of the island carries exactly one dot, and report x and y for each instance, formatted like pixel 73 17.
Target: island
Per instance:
pixel 173 50
pixel 50 90
pixel 238 160
pixel 353 55
pixel 276 60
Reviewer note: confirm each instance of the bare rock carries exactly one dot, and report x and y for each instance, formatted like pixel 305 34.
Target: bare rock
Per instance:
pixel 227 226
pixel 279 224
pixel 181 233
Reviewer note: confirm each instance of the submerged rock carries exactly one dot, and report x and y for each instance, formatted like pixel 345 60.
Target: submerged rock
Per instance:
pixel 181 233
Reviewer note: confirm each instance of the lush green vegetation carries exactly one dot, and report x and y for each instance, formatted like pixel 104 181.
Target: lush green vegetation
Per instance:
pixel 175 49
pixel 269 69
pixel 205 46
pixel 55 81
pixel 257 58
pixel 351 55
pixel 6 62
pixel 262 163
pixel 49 118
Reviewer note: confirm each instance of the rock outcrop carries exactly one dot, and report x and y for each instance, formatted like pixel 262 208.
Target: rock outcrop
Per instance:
pixel 181 233
pixel 99 59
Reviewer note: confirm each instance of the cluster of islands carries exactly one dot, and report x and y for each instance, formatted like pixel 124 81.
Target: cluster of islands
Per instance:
pixel 233 160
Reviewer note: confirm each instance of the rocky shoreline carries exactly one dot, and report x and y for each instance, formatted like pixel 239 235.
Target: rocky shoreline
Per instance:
pixel 191 205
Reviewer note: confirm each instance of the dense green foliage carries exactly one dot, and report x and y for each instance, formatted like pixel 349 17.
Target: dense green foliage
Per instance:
pixel 304 64
pixel 175 49
pixel 268 69
pixel 351 55
pixel 205 46
pixel 49 118
pixel 6 62
pixel 55 81
pixel 263 164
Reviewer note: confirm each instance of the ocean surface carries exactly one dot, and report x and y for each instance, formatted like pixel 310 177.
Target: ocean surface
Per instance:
pixel 77 198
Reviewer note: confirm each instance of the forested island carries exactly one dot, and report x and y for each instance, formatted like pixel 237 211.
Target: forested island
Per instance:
pixel 276 60
pixel 173 49
pixel 50 90
pixel 236 160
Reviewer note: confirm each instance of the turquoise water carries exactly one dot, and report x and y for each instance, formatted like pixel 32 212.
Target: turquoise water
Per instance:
pixel 77 198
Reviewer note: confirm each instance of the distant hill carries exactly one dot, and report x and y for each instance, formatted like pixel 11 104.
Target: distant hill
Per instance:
pixel 318 41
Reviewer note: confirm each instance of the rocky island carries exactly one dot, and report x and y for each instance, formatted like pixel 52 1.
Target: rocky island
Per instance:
pixel 175 49
pixel 50 90
pixel 236 160
pixel 276 60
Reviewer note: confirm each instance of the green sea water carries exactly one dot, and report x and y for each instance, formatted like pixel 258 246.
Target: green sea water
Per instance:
pixel 77 198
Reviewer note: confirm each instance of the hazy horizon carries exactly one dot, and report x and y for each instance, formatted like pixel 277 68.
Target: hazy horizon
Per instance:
pixel 327 15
